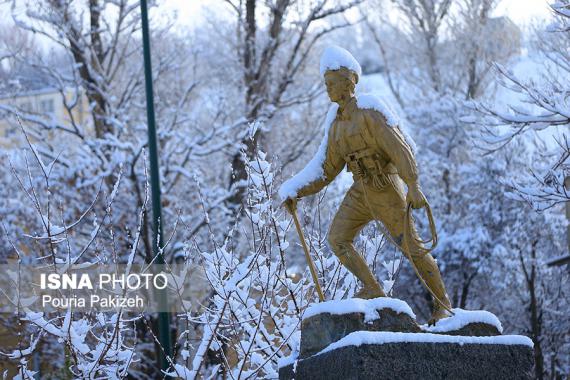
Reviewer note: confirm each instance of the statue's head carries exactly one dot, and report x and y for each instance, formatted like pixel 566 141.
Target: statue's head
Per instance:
pixel 340 83
pixel 341 72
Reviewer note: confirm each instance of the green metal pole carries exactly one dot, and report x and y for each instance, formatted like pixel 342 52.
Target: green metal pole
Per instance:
pixel 157 242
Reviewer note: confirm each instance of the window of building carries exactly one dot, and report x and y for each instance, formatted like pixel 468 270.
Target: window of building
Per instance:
pixel 47 106
pixel 26 106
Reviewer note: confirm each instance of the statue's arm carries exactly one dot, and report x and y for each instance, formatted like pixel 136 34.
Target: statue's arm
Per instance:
pixel 319 172
pixel 394 145
pixel 331 167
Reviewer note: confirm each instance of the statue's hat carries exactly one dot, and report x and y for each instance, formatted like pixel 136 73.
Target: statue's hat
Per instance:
pixel 335 57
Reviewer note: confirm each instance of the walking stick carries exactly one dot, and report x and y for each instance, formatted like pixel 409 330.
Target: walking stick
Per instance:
pixel 293 213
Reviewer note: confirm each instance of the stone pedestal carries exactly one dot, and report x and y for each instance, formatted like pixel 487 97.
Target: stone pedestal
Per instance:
pixel 320 327
pixel 380 339
pixel 416 361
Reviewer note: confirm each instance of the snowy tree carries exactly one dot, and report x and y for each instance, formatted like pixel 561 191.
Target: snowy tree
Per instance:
pixel 524 282
pixel 96 344
pixel 258 299
pixel 242 80
pixel 102 61
pixel 272 59
pixel 542 107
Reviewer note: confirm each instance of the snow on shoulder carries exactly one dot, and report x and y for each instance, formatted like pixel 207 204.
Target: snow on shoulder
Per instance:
pixel 334 57
pixel 314 169
pixel 372 102
pixel 356 305
pixel 462 318
pixel 359 338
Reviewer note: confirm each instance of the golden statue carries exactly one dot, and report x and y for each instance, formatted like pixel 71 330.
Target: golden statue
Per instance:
pixel 362 133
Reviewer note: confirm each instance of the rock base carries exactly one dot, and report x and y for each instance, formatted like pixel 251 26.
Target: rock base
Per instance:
pixel 323 329
pixel 380 339
pixel 407 360
pixel 474 329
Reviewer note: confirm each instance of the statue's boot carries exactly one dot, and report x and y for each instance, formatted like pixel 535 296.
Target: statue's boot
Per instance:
pixel 439 313
pixel 370 292
pixel 427 268
pixel 357 266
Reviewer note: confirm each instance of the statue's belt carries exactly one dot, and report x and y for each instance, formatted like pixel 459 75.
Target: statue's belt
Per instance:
pixel 368 165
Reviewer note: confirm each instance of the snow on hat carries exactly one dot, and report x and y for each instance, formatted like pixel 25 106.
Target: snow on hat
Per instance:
pixel 335 57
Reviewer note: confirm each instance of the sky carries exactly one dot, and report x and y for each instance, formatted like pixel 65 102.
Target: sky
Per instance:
pixel 522 12
pixel 191 12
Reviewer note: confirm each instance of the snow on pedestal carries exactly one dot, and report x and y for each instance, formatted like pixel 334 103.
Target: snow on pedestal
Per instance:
pixel 327 322
pixel 467 322
pixel 360 338
pixel 356 305
pixel 379 338
pixel 425 356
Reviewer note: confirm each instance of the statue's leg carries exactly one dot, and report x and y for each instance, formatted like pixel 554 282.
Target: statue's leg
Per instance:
pixel 389 207
pixel 350 218
pixel 428 269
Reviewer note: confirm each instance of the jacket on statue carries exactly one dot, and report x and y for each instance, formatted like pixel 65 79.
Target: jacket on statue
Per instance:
pixel 367 139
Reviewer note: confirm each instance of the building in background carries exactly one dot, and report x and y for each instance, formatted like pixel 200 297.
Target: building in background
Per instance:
pixel 44 104
pixel 504 37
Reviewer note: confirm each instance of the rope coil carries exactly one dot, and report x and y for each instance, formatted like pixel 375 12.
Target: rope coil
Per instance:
pixel 414 244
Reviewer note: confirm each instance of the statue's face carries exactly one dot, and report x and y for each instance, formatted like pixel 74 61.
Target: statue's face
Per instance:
pixel 339 84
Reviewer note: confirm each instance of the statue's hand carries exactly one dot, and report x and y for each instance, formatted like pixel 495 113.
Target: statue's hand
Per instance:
pixel 416 197
pixel 290 204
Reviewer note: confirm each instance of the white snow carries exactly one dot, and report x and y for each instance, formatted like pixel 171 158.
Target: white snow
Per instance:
pixel 463 318
pixel 334 57
pixel 375 86
pixel 383 337
pixel 180 372
pixel 314 169
pixel 357 305
pixel 372 102
pixel 559 258
pixel 286 360
pixel 528 68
